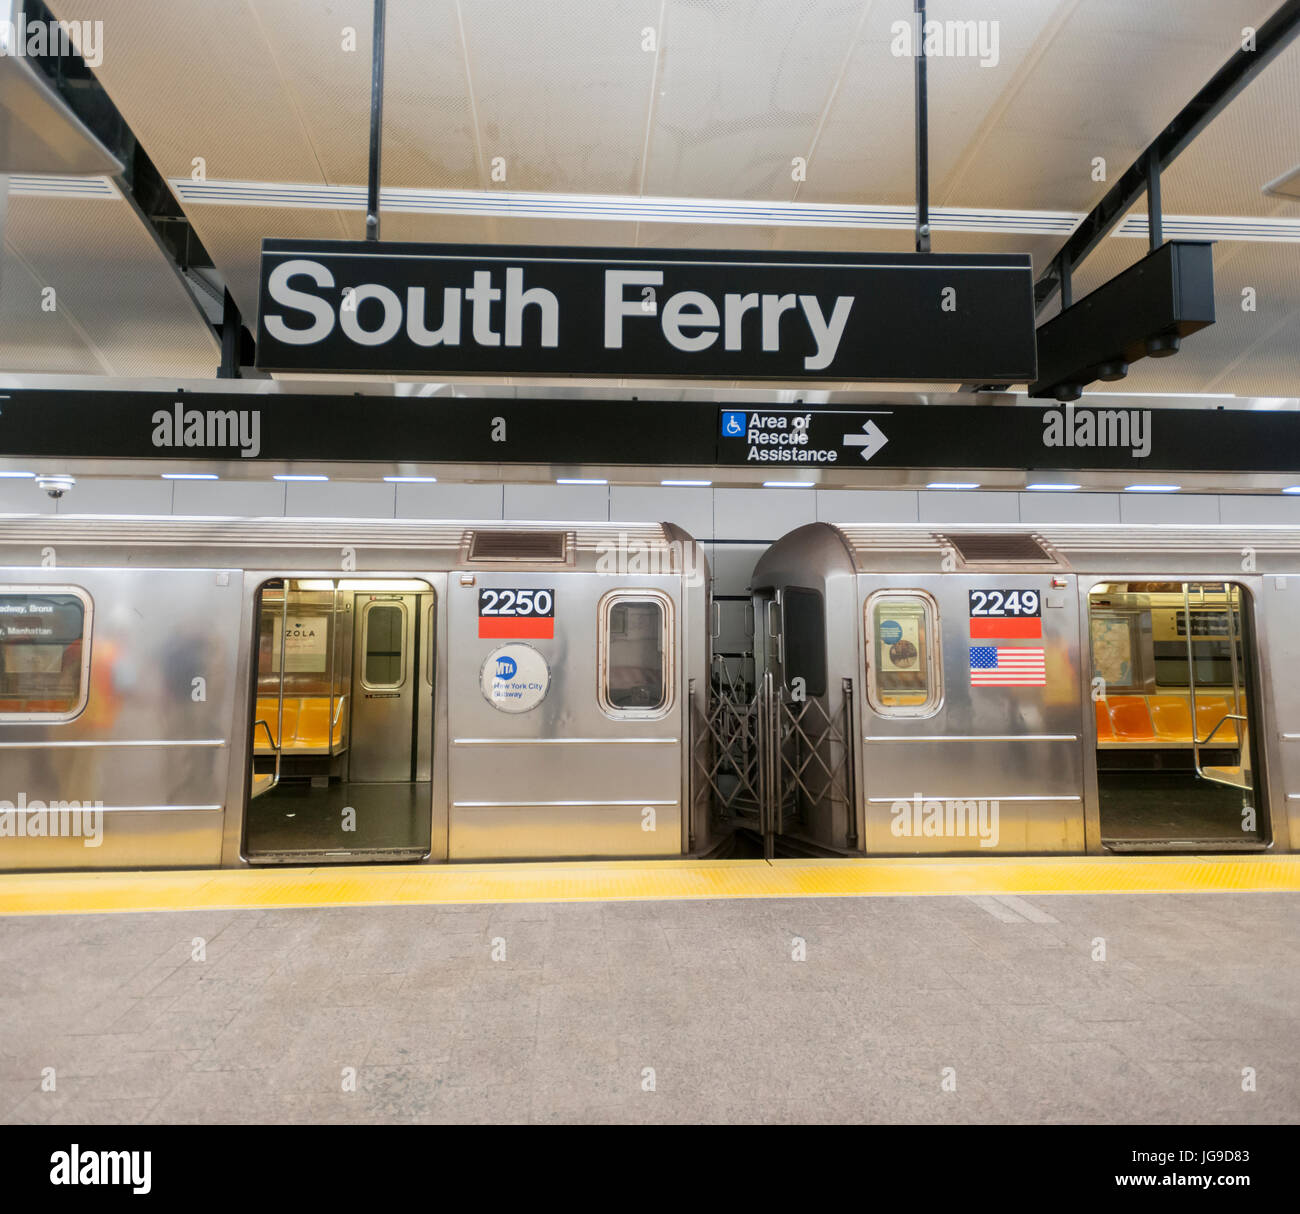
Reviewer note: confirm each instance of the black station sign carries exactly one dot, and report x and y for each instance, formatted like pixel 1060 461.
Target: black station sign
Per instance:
pixel 359 307
pixel 241 427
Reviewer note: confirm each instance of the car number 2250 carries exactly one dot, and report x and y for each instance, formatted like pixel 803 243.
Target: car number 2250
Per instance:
pixel 516 602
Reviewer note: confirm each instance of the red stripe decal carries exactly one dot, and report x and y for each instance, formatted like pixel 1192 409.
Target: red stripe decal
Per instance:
pixel 513 627
pixel 1007 626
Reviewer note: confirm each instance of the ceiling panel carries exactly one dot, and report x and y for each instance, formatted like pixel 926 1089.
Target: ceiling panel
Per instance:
pixel 1111 77
pixel 565 92
pixel 120 309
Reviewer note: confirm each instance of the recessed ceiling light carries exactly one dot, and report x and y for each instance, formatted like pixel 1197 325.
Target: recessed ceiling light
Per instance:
pixel 1152 488
pixel 298 476
pixel 19 475
pixel 789 484
pixel 1292 489
pixel 190 476
pixel 581 480
pixel 953 485
pixel 411 480
pixel 686 484
pixel 1057 488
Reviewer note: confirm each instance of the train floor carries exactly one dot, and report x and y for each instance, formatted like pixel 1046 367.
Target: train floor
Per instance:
pixel 1115 1008
pixel 1170 805
pixel 297 819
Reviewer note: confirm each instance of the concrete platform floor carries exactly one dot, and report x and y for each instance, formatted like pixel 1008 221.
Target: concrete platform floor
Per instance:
pixel 593 1003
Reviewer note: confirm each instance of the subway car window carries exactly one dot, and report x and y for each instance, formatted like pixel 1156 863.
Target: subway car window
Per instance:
pixel 383 647
pixel 805 639
pixel 902 679
pixel 634 678
pixel 44 653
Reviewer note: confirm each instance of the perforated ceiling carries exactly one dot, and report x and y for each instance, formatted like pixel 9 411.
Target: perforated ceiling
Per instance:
pixel 716 99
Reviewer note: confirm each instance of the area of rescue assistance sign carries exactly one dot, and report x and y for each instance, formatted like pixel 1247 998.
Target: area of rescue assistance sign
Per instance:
pixel 371 307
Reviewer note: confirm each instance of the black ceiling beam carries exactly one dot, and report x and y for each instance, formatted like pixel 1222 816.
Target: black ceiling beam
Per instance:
pixel 1270 40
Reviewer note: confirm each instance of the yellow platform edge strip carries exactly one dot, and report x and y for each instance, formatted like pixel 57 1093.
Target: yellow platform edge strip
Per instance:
pixel 86 893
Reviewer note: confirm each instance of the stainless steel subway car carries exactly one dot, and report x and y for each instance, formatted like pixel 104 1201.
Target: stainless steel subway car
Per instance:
pixel 1061 689
pixel 208 692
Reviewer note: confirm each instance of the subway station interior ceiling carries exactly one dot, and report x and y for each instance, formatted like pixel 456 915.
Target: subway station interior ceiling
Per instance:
pixel 263 92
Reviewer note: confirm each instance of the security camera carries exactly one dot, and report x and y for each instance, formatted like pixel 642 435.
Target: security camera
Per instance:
pixel 56 486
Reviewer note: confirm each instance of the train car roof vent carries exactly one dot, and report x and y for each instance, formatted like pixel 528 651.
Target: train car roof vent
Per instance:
pixel 1000 548
pixel 518 546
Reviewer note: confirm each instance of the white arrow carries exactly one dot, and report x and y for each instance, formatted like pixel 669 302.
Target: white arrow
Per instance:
pixel 870 440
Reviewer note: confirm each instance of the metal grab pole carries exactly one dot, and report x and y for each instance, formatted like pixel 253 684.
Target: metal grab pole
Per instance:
pixel 922 139
pixel 376 120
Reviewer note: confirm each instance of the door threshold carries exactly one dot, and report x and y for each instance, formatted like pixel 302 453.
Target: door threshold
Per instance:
pixel 398 855
pixel 1183 845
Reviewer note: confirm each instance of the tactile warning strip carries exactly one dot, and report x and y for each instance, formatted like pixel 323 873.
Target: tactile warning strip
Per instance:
pixel 635 880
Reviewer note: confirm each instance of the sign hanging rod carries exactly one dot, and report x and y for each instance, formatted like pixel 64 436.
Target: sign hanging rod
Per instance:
pixel 922 138
pixel 376 121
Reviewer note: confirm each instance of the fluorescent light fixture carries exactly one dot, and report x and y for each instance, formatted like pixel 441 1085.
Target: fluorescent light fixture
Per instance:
pixel 190 476
pixel 789 484
pixel 26 476
pixel 1292 489
pixel 686 484
pixel 1057 488
pixel 953 485
pixel 581 480
pixel 411 480
pixel 298 476
pixel 1152 488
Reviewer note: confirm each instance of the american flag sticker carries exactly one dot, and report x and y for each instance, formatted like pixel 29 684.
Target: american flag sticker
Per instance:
pixel 996 666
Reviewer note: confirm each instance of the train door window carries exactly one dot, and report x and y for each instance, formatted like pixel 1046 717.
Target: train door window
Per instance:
pixel 902 663
pixel 1174 685
pixel 384 628
pixel 44 653
pixel 633 638
pixel 804 633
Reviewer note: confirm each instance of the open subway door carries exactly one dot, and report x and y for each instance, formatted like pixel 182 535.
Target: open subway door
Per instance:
pixel 1175 696
pixel 342 720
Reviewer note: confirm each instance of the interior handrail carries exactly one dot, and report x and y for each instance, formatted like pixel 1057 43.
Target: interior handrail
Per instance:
pixel 1230 716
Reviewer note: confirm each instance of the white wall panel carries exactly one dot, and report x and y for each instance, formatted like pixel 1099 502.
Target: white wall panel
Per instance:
pixel 23 497
pixel 867 506
pixel 340 499
pixel 968 506
pixel 249 499
pixel 107 496
pixel 1250 510
pixel 688 508
pixel 1046 507
pixel 450 501
pixel 1168 508
pixel 761 514
pixel 557 503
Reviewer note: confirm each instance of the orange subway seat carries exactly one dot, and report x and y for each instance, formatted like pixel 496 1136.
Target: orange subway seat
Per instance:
pixel 1130 719
pixel 1210 710
pixel 1104 731
pixel 313 724
pixel 1171 715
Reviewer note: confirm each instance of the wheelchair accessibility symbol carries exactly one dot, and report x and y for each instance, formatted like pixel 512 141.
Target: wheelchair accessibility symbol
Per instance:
pixel 733 425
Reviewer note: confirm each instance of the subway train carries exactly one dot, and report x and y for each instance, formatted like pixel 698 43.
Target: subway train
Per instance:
pixel 191 692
